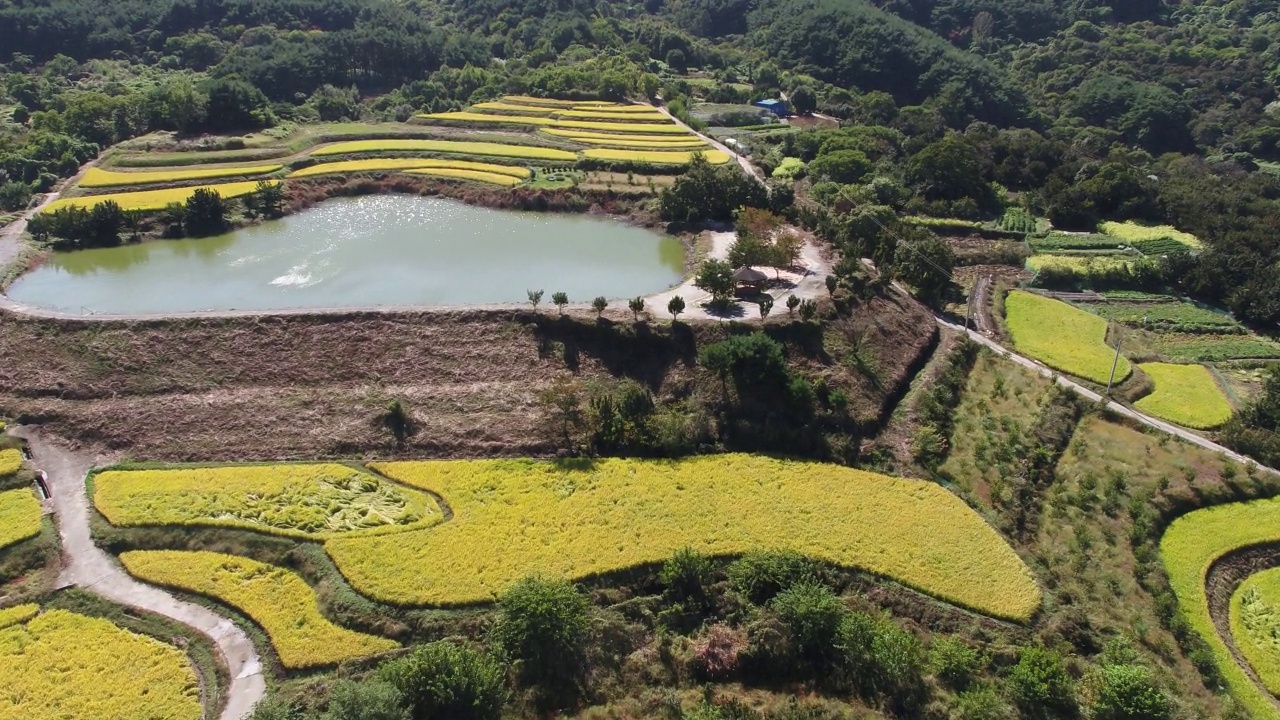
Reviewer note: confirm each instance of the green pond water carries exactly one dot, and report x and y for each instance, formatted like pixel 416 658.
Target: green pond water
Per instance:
pixel 379 250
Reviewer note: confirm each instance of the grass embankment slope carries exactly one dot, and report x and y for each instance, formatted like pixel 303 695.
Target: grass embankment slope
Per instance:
pixel 311 387
pixel 1062 337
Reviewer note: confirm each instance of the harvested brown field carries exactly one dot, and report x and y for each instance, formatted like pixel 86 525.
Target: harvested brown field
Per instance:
pixel 313 386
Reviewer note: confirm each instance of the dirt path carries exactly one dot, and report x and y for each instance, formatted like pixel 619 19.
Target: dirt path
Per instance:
pixel 11 234
pixel 88 567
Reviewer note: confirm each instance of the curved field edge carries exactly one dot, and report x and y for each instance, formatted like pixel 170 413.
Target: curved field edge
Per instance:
pixel 277 600
pixel 1190 547
pixel 101 669
pixel 1255 625
pixel 147 496
pixel 584 520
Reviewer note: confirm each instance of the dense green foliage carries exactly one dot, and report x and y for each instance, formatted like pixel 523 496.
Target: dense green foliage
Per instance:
pixel 442 680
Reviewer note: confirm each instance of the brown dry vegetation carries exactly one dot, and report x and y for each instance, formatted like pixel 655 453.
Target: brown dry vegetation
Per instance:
pixel 313 386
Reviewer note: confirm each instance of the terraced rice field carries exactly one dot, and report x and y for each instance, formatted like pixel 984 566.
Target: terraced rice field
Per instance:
pixel 1189 548
pixel 584 136
pixel 487 178
pixel 1079 263
pixel 462 116
pixel 515 108
pixel 610 114
pixel 576 520
pixel 10 462
pixel 1062 336
pixel 447 146
pixel 654 157
pixel 97 177
pixel 549 102
pixel 375 164
pixel 153 199
pixel 631 143
pixel 1185 394
pixel 623 127
pixel 61 665
pixel 1147 239
pixel 303 501
pixel 19 516
pixel 11 616
pixel 276 599
pixel 1255 625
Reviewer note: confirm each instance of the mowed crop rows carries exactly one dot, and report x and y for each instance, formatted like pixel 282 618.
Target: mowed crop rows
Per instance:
pixel 154 199
pixel 1185 394
pixel 277 599
pixel 60 665
pixel 1255 625
pixel 306 501
pixel 1189 548
pixel 1062 336
pixel 513 518
pixel 19 516
pixel 97 177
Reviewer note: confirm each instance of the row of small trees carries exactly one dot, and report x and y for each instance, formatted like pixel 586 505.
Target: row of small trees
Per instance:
pixel 676 305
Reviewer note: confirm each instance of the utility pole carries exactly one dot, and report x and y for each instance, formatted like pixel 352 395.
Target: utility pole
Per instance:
pixel 1114 363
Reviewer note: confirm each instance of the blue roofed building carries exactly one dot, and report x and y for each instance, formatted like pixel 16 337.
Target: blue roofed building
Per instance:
pixel 777 107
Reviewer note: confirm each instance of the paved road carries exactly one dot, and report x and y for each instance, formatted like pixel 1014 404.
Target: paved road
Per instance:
pixel 88 567
pixel 1111 405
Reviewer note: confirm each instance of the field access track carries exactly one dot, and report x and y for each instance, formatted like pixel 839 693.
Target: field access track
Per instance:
pixel 88 567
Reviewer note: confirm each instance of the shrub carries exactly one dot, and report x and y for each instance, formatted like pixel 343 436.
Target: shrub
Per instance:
pixel 981 703
pixel 444 681
pixel 687 575
pixel 1040 684
pixel 369 700
pixel 543 625
pixel 898 667
pixel 718 650
pixel 955 662
pixel 1127 692
pixel 760 575
pixel 813 615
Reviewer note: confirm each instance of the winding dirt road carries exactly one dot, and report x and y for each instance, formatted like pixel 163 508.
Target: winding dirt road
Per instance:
pixel 87 566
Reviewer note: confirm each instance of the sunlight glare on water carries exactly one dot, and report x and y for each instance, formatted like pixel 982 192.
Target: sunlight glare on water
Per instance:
pixel 378 250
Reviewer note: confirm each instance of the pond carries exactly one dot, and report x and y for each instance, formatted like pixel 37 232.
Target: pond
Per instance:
pixel 371 251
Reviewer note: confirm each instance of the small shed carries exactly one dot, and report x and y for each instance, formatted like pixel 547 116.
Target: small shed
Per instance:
pixel 749 278
pixel 777 107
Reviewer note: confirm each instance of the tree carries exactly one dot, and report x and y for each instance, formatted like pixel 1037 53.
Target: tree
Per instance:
pixel 1127 692
pixel 599 305
pixel 535 297
pixel 813 615
pixel 205 213
pixel 445 681
pixel 677 62
pixel 706 192
pixel 925 263
pixel 808 310
pixel 715 277
pixel 792 303
pixel 104 224
pixel 398 420
pixel 14 195
pixel 786 250
pixel 368 700
pixel 675 306
pixel 949 170
pixel 560 299
pixel 749 250
pixel 235 104
pixel 562 403
pixel 636 305
pixel 752 361
pixel 1040 684
pixel 687 575
pixel 842 166
pixel 266 200
pixel 766 306
pixel 542 625
pixel 803 101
